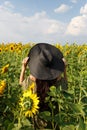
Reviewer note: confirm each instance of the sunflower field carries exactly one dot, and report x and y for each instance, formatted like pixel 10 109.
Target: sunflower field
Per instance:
pixel 18 109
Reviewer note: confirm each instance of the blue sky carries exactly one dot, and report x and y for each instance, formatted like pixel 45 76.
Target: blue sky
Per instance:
pixel 52 21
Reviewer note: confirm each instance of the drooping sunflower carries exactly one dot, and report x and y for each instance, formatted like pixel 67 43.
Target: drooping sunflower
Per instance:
pixel 6 49
pixel 5 69
pixel 29 103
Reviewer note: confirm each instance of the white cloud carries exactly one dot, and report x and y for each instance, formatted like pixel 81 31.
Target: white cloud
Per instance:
pixel 16 27
pixel 74 1
pixel 8 4
pixel 55 27
pixel 78 25
pixel 83 9
pixel 62 9
pixel 38 28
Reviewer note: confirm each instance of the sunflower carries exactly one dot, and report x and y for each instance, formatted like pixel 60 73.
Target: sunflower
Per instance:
pixel 2 86
pixel 12 47
pixel 29 103
pixel 0 50
pixel 6 49
pixel 32 87
pixel 67 52
pixel 5 69
pixel 59 46
pixel 18 49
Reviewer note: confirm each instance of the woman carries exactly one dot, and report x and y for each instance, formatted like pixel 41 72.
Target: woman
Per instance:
pixel 46 64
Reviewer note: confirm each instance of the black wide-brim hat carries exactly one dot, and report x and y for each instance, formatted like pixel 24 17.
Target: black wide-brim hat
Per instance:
pixel 45 61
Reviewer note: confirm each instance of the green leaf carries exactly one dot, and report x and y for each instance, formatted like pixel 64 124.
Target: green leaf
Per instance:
pixel 81 124
pixel 52 91
pixel 77 108
pixel 68 94
pixel 10 126
pixel 57 118
pixel 17 126
pixel 53 88
pixel 46 115
pixel 26 122
pixel 69 127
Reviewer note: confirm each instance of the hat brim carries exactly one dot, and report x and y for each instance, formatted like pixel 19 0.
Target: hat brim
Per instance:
pixel 42 72
pixel 45 72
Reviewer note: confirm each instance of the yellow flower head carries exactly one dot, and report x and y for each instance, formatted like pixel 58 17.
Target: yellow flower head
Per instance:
pixel 59 46
pixel 5 69
pixel 0 50
pixel 12 47
pixel 19 49
pixel 32 87
pixel 6 49
pixel 29 103
pixel 2 86
pixel 67 52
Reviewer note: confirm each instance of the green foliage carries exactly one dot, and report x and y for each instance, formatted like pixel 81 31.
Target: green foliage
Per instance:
pixel 67 108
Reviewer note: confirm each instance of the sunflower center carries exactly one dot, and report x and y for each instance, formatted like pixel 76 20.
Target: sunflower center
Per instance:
pixel 28 103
